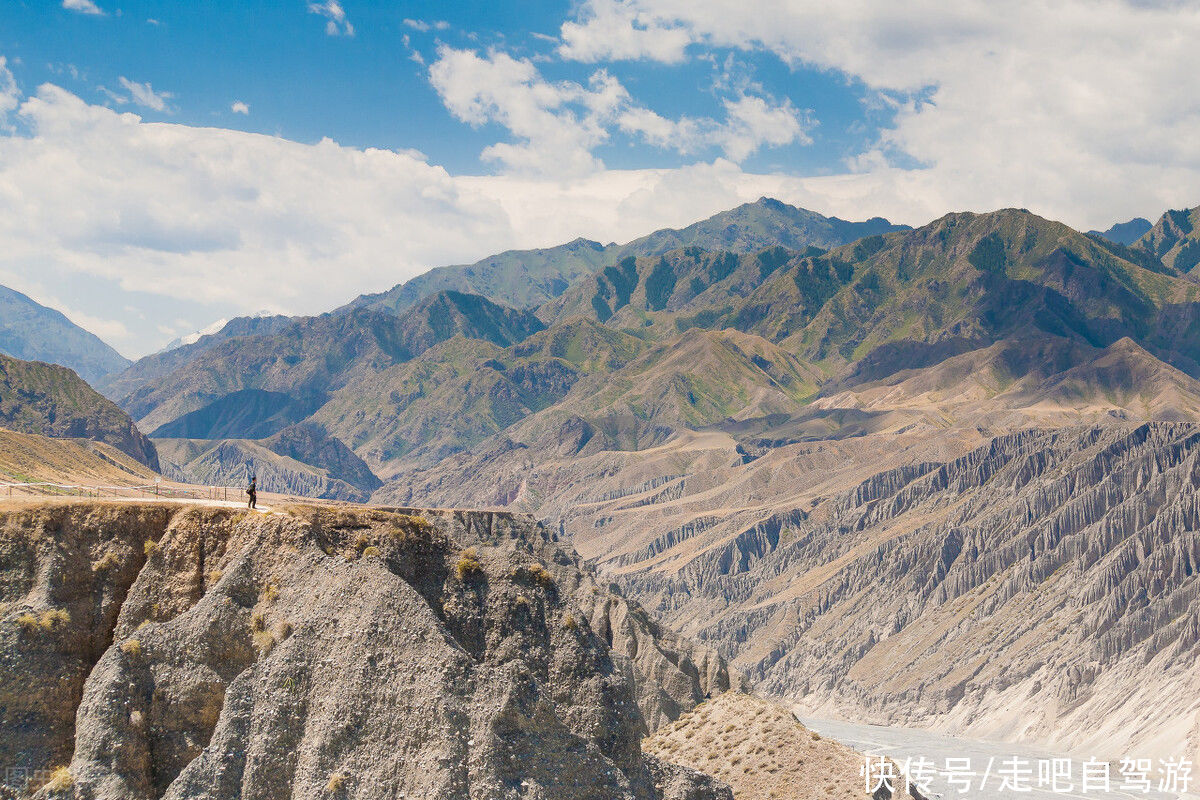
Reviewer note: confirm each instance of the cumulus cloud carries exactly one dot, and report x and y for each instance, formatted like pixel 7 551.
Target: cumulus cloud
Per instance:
pixel 238 107
pixel 1076 108
pixel 227 220
pixel 616 30
pixel 558 125
pixel 82 6
pixel 337 23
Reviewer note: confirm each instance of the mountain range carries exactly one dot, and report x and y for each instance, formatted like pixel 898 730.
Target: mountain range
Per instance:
pixel 835 452
pixel 33 332
pixel 50 400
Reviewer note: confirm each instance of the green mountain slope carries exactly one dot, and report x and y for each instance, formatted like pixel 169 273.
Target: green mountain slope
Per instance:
pixel 32 332
pixel 1175 240
pixel 967 280
pixel 316 356
pixel 526 278
pixel 462 391
pixel 52 400
pixel 763 223
pixel 119 385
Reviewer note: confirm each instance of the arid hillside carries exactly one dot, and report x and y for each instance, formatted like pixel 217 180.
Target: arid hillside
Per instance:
pixel 761 751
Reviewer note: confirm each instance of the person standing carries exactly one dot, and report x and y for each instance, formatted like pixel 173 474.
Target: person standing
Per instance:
pixel 253 492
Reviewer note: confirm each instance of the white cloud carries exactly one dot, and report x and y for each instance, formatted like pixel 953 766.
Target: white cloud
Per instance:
pixel 226 221
pixel 558 125
pixel 1077 108
pixel 609 29
pixel 144 95
pixel 424 27
pixel 238 107
pixel 337 24
pixel 82 6
pixel 753 122
pixel 10 95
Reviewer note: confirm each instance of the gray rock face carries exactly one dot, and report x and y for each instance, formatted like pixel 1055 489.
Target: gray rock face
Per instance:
pixel 331 653
pixel 1042 586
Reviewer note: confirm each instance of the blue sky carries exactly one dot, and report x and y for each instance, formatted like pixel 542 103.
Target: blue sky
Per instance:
pixel 165 165
pixel 366 89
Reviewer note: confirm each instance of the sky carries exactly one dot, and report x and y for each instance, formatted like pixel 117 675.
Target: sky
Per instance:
pixel 164 165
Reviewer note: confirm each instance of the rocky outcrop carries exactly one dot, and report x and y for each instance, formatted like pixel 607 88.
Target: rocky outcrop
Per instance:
pixel 331 653
pixel 301 460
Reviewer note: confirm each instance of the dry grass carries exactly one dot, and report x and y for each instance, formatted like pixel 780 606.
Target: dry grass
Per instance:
pixel 106 562
pixel 150 547
pixel 759 749
pixel 264 642
pixel 61 779
pixel 411 522
pixel 336 781
pixel 569 622
pixel 371 552
pixel 47 622
pixel 131 648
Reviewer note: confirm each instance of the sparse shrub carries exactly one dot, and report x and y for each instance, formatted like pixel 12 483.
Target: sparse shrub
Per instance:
pixel 468 565
pixel 270 593
pixel 132 648
pixel 371 552
pixel 336 781
pixel 258 621
pixel 816 737
pixel 522 601
pixel 361 541
pixel 61 779
pixel 136 719
pixel 569 622
pixel 150 547
pixel 28 622
pixel 283 630
pixel 541 575
pixel 214 575
pixel 106 562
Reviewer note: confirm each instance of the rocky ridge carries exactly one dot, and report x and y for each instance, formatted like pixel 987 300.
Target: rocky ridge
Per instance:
pixel 211 653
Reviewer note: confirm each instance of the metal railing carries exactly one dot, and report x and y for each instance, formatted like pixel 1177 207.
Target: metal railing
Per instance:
pixel 13 490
